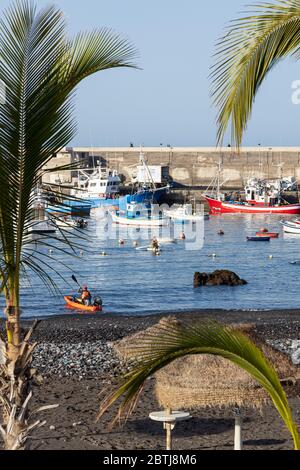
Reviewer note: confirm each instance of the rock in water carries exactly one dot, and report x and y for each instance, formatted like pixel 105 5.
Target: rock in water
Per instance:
pixel 218 278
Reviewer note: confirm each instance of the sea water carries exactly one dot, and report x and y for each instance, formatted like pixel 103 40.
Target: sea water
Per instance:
pixel 135 282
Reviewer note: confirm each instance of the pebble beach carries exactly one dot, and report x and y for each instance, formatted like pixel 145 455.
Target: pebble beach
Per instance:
pixel 77 360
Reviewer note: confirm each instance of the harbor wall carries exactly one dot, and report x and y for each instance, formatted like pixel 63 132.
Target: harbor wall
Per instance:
pixel 189 167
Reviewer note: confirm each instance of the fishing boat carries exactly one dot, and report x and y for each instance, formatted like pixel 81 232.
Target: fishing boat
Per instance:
pixel 141 215
pixel 71 302
pixel 102 186
pixel 258 239
pixel 99 188
pixel 261 197
pixel 185 214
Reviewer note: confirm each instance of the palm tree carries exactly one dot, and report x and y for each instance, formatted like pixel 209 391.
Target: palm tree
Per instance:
pixel 252 46
pixel 40 68
pixel 171 341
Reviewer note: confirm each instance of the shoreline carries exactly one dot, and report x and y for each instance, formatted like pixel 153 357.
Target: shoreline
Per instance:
pixel 77 361
pixel 230 314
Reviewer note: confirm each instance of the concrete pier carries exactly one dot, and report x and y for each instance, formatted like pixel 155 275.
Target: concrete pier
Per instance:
pixel 190 167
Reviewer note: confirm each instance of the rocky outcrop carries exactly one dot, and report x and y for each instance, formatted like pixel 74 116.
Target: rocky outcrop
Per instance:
pixel 218 278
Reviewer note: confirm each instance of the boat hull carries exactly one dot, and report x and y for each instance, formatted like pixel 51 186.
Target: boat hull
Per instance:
pixel 291 228
pixel 258 239
pixel 70 208
pixel 267 234
pixel 139 222
pixel 70 302
pixel 220 207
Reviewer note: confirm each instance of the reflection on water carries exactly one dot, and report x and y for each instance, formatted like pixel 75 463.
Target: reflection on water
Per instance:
pixel 136 282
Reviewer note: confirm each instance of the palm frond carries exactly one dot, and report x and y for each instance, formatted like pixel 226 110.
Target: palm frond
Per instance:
pixel 249 50
pixel 169 342
pixel 40 68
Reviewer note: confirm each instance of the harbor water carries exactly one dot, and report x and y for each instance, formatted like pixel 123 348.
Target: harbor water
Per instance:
pixel 135 282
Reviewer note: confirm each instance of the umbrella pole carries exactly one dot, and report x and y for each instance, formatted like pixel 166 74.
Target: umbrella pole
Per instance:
pixel 169 427
pixel 238 444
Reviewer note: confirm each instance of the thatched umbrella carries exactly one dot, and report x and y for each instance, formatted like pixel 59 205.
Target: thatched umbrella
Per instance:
pixel 202 381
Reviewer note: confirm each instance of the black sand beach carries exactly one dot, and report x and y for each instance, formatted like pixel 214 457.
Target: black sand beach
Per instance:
pixel 78 363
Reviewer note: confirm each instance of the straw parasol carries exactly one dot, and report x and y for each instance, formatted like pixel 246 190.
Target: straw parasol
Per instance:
pixel 202 381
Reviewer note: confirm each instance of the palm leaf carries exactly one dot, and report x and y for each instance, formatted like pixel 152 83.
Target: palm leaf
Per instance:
pixel 169 342
pixel 40 67
pixel 250 49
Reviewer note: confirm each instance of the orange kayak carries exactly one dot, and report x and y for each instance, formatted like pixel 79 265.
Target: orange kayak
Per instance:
pixel 93 308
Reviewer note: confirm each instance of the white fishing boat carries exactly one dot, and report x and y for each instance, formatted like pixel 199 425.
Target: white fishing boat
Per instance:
pixel 99 188
pixel 185 213
pixel 140 215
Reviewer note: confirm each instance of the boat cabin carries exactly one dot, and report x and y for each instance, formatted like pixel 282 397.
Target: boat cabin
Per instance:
pixel 263 193
pixel 102 183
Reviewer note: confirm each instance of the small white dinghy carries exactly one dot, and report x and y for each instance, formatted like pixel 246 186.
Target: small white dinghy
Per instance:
pixel 291 227
pixel 42 227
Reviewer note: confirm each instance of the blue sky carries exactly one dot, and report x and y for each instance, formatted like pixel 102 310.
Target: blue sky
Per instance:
pixel 168 100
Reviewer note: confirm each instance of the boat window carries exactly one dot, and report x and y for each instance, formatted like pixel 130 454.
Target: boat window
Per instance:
pixel 92 185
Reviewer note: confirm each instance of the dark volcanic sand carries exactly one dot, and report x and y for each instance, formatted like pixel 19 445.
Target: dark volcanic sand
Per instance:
pixel 74 421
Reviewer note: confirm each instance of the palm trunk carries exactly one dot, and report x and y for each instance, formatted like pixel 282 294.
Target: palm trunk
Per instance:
pixel 16 376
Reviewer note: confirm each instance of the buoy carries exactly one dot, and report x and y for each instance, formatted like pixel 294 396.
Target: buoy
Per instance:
pixel 213 255
pixel 81 253
pixel 135 244
pixel 121 242
pixel 50 251
pixel 103 253
pixel 182 236
pixel 271 257
pixel 220 232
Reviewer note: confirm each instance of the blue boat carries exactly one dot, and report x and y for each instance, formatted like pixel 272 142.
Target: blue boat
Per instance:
pixel 258 239
pixel 70 208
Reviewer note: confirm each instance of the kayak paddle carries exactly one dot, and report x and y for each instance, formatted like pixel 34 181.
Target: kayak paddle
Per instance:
pixel 75 280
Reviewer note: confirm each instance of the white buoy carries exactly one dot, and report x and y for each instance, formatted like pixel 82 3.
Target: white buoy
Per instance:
pixel 135 244
pixel 50 251
pixel 81 253
pixel 103 253
pixel 271 257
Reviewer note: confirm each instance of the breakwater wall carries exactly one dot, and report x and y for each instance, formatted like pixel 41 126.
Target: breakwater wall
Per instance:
pixel 190 167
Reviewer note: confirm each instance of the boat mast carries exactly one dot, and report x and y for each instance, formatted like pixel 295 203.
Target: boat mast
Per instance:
pixel 144 164
pixel 218 180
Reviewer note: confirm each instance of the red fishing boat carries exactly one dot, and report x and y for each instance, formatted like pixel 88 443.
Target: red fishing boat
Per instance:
pixel 261 197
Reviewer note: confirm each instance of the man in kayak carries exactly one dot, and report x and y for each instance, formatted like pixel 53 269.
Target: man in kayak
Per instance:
pixel 86 297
